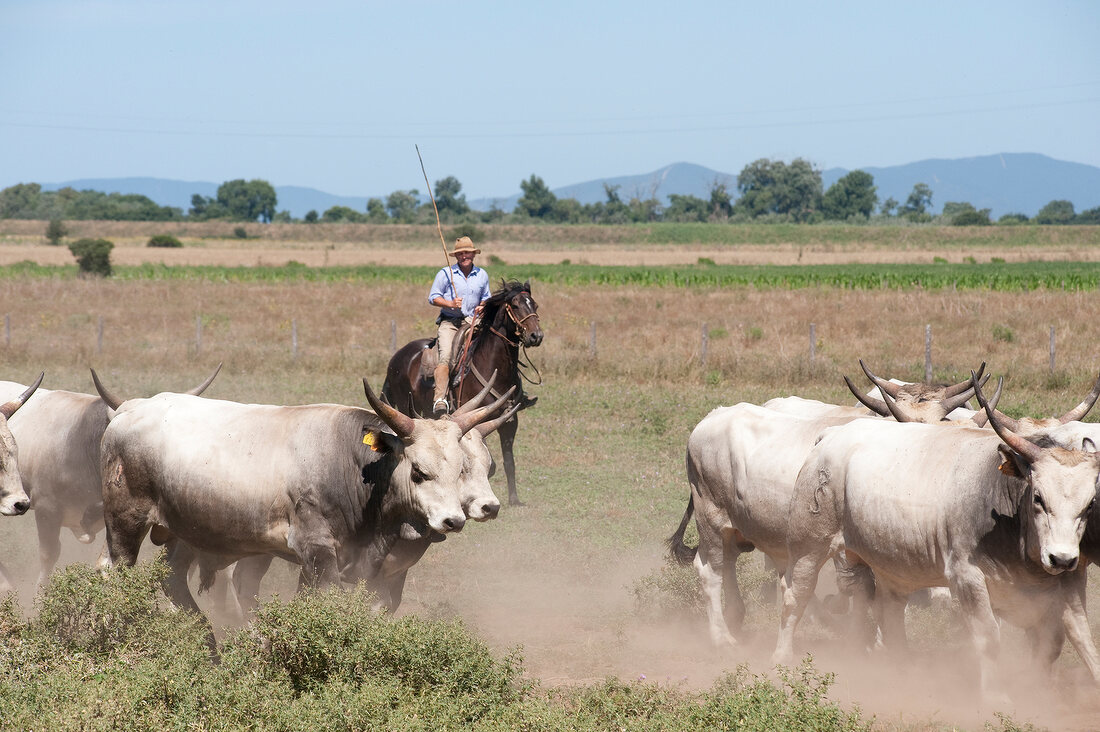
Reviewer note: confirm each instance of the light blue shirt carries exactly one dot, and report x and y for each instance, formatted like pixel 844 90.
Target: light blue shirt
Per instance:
pixel 473 290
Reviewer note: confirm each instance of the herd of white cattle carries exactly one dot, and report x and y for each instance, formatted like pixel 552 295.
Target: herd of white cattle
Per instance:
pixel 348 493
pixel 915 492
pixel 910 491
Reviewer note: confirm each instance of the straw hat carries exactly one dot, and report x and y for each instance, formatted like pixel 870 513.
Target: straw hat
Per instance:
pixel 464 244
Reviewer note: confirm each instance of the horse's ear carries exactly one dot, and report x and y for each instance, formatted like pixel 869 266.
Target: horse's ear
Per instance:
pixel 527 286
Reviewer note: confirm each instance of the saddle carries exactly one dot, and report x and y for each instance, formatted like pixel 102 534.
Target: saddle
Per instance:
pixel 429 356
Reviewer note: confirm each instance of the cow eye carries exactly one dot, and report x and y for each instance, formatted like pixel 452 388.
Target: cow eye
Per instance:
pixel 418 475
pixel 1039 501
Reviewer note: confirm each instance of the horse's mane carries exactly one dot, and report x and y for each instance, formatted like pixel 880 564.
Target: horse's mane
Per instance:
pixel 491 307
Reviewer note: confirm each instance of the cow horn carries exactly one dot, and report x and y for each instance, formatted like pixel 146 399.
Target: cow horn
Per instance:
pixel 1028 450
pixel 882 384
pixel 477 400
pixel 401 424
pixel 108 398
pixel 9 409
pixel 1078 413
pixel 875 405
pixel 469 420
pixel 964 386
pixel 487 428
pixel 892 405
pixel 202 387
pixel 954 401
pixel 980 417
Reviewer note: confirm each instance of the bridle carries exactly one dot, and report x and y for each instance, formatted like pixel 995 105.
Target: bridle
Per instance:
pixel 523 361
pixel 521 329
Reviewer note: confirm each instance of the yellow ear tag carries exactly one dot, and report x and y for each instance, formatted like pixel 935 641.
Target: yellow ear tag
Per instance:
pixel 371 440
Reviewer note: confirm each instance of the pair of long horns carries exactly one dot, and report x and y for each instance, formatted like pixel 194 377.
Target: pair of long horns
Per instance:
pixel 955 395
pixel 1028 450
pixel 1074 415
pixel 11 407
pixel 113 401
pixel 467 417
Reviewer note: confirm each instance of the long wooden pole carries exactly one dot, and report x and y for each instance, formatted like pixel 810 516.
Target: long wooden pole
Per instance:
pixel 438 226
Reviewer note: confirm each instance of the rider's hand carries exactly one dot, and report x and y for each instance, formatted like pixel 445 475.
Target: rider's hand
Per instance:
pixel 456 303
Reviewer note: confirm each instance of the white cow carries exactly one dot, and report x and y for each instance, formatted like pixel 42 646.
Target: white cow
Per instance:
pixel 13 499
pixel 995 517
pixel 741 466
pixel 58 435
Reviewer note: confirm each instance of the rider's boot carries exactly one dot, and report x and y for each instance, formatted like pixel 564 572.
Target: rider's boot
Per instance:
pixel 442 376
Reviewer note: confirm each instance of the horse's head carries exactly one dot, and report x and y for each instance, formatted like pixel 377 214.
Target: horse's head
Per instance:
pixel 512 311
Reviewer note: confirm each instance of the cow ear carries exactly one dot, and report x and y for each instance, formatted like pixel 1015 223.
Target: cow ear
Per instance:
pixel 1088 445
pixel 377 440
pixel 1012 463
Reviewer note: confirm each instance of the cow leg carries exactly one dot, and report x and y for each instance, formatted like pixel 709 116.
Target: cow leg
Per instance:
pixel 710 563
pixel 855 580
pixel 125 515
pixel 316 550
pixel 48 524
pixel 1076 622
pixel 799 583
pixel 246 576
pixel 968 585
pixel 507 433
pixel 890 615
pixel 6 583
pixel 180 557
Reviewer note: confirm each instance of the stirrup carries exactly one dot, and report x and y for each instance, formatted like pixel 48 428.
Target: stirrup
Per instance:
pixel 440 406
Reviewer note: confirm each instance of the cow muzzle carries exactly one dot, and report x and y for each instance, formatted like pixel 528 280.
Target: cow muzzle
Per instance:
pixel 1060 560
pixel 15 506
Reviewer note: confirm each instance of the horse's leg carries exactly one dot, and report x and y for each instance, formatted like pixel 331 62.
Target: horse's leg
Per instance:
pixel 507 432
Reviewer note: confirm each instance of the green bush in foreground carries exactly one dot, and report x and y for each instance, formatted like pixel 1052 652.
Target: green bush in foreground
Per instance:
pixel 106 652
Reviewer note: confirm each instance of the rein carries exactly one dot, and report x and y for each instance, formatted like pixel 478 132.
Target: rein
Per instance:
pixel 517 344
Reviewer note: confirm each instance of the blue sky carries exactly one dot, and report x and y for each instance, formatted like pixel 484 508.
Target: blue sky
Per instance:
pixel 334 95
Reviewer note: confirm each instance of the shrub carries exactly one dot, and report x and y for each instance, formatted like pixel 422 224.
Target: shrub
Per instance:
pixel 706 262
pixel 467 229
pixel 240 232
pixel 93 256
pixel 55 232
pixel 1003 333
pixel 164 240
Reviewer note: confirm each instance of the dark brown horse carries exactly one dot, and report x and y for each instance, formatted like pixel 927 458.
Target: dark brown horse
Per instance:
pixel 509 321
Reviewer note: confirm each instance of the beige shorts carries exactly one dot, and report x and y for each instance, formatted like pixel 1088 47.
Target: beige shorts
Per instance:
pixel 448 329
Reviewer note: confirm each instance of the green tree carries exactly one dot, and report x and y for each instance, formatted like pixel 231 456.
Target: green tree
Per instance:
pixel 612 210
pixel 1010 219
pixel 918 202
pixel 888 206
pixel 402 205
pixel 20 201
pixel 537 200
pixel 341 213
pixel 685 208
pixel 311 217
pixel 449 199
pixel 1055 212
pixel 55 231
pixel 247 200
pixel 1088 216
pixel 721 205
pixel 376 211
pixel 852 195
pixel 774 187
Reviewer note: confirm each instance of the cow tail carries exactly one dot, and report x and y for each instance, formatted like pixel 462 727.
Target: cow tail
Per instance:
pixel 677 549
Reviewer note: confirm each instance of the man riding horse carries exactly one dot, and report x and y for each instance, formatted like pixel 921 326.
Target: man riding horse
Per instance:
pixel 459 291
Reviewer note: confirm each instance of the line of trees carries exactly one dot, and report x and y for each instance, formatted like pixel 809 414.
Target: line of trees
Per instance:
pixel 770 191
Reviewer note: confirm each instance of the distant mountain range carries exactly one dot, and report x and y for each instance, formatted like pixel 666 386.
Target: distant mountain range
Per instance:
pixel 1005 183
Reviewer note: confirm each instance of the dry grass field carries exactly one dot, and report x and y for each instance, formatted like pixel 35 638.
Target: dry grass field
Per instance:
pixel 600 459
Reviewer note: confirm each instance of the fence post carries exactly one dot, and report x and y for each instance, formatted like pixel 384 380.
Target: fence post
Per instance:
pixel 592 342
pixel 99 336
pixel 1052 350
pixel 198 335
pixel 7 329
pixel 294 337
pixel 813 342
pixel 928 353
pixel 703 347
pixel 393 336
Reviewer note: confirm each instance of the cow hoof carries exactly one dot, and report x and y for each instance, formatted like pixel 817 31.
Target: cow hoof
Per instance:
pixel 515 502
